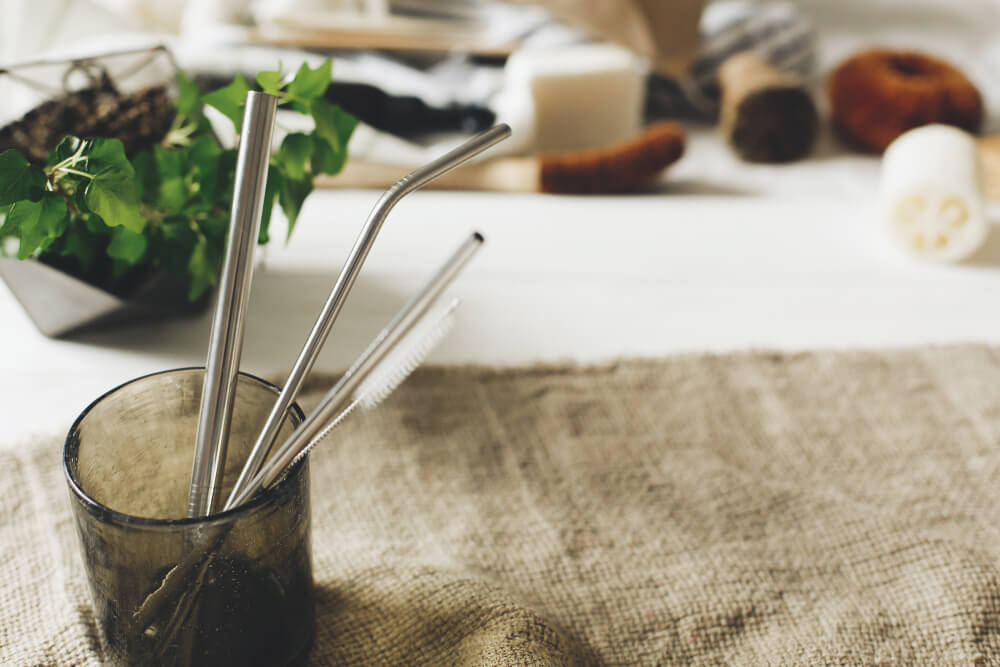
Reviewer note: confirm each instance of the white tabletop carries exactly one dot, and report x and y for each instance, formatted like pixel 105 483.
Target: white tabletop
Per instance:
pixel 560 278
pixel 732 256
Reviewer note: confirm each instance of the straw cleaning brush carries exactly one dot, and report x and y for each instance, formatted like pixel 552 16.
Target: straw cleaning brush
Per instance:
pixel 396 367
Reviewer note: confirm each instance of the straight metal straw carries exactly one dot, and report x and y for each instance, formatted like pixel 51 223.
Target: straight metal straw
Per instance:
pixel 226 340
pixel 345 281
pixel 343 392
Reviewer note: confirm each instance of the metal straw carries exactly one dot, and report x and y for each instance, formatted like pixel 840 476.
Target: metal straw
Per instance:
pixel 345 281
pixel 226 340
pixel 343 392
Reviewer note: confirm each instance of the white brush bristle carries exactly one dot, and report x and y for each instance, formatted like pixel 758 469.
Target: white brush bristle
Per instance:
pixel 329 427
pixel 408 353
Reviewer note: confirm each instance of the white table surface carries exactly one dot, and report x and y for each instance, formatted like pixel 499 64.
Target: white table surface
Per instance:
pixel 732 256
pixel 560 278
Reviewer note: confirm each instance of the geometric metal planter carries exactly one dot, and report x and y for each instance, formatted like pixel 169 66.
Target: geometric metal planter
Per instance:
pixel 59 303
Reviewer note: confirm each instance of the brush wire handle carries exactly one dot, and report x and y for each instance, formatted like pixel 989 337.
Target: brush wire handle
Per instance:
pixel 392 370
pixel 343 392
pixel 226 340
pixel 345 281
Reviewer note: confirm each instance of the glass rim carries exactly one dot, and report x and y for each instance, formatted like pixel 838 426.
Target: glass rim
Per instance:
pixel 104 512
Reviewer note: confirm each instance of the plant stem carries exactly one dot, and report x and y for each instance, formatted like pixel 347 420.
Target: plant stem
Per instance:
pixel 179 135
pixel 76 172
pixel 77 156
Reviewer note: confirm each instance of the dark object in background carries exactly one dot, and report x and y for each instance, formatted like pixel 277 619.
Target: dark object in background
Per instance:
pixel 665 98
pixel 628 166
pixel 767 115
pixel 778 32
pixel 404 116
pixel 879 94
pixel 625 167
pixel 140 119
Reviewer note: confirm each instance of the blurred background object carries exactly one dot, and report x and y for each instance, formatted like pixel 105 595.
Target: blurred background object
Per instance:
pixel 878 94
pixel 931 200
pixel 421 74
pixel 126 94
pixel 766 115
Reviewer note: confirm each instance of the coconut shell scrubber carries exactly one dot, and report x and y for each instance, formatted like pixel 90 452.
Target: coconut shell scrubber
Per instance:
pixel 878 94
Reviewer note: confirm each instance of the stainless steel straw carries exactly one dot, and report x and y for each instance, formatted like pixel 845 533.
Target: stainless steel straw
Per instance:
pixel 345 281
pixel 343 392
pixel 226 340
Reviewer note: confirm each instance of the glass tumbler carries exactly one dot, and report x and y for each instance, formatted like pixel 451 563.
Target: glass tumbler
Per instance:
pixel 233 588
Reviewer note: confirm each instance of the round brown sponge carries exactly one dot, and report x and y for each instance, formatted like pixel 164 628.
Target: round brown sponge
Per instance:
pixel 878 94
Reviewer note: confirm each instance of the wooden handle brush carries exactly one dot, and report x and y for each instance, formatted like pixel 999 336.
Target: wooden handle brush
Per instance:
pixel 766 115
pixel 624 167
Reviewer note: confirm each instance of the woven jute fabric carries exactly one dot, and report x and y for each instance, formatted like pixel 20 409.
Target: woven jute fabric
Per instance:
pixel 823 508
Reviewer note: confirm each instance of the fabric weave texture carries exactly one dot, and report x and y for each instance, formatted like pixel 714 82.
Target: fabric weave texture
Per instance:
pixel 836 507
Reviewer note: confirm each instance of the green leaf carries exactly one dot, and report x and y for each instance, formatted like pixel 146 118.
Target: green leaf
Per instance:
pixel 310 84
pixel 188 95
pixel 325 160
pixel 270 82
pixel 19 179
pixel 230 100
pixel 203 160
pixel 171 243
pixel 38 223
pixel 226 176
pixel 294 153
pixel 82 245
pixel 274 180
pixel 203 268
pixel 64 149
pixel 326 126
pixel 171 195
pixel 329 156
pixel 169 163
pixel 203 128
pixel 127 246
pixel 108 156
pixel 345 124
pixel 93 223
pixel 172 192
pixel 115 199
pixel 291 194
pixel 215 226
pixel 146 175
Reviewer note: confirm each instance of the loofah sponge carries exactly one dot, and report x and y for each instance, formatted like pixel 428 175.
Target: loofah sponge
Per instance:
pixel 931 194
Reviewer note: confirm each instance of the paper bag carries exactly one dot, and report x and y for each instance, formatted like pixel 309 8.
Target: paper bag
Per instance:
pixel 664 31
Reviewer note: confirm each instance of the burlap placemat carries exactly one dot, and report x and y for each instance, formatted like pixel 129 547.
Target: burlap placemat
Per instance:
pixel 828 508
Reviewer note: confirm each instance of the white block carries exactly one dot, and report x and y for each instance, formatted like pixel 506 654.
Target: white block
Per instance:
pixel 572 97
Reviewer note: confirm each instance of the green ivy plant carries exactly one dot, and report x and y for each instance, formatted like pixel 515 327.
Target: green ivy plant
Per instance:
pixel 111 220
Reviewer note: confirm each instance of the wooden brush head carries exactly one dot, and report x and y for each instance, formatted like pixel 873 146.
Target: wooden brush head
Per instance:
pixel 767 115
pixel 618 168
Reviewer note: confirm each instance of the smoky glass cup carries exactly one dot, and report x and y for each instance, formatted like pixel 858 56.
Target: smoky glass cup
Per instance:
pixel 233 588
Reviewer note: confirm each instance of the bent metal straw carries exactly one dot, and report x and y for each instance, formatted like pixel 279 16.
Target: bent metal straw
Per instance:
pixel 343 392
pixel 172 588
pixel 345 281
